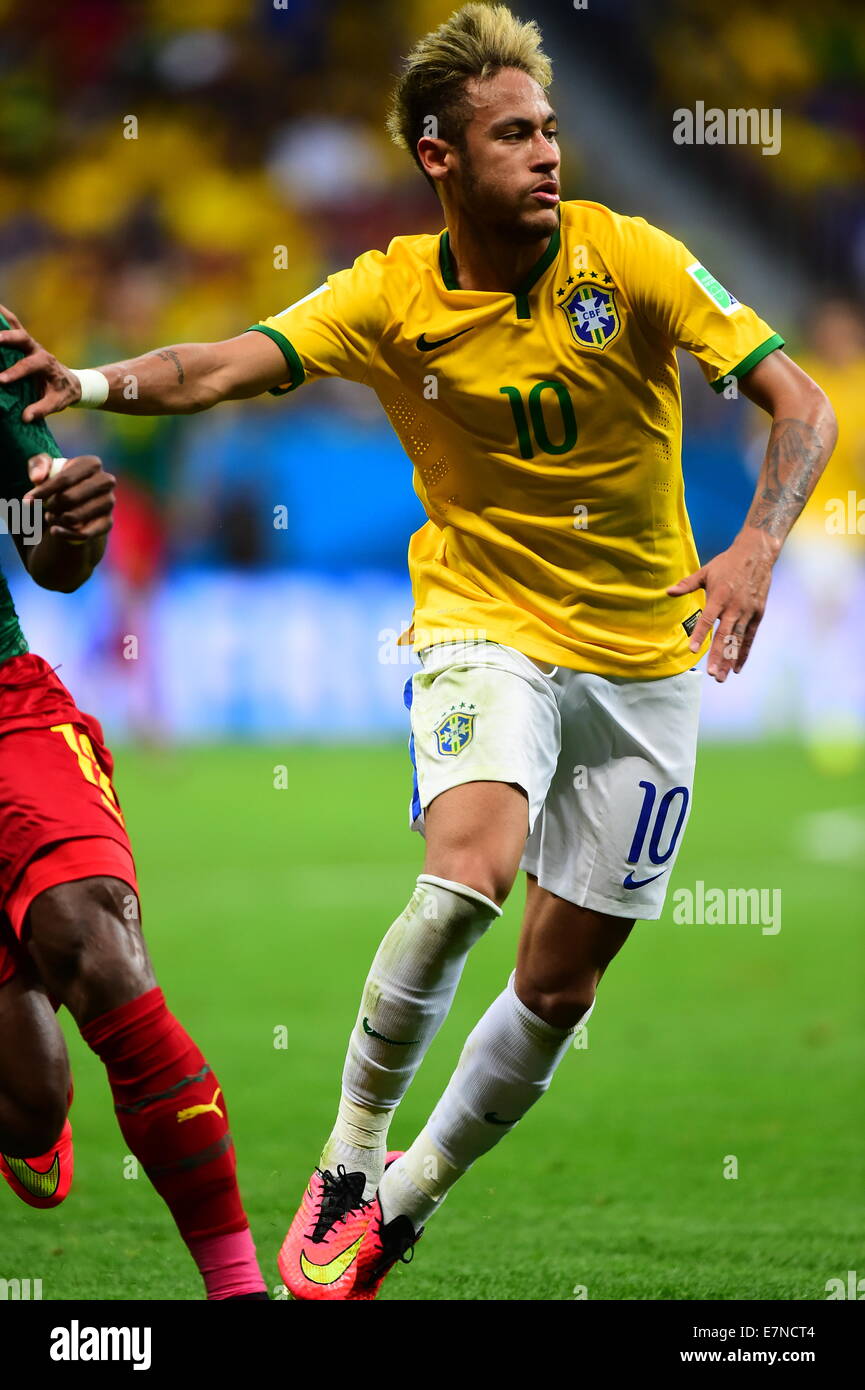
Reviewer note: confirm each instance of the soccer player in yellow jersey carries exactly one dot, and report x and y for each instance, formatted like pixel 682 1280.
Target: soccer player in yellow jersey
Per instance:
pixel 526 358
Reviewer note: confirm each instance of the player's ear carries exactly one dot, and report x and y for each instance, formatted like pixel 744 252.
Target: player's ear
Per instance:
pixel 432 154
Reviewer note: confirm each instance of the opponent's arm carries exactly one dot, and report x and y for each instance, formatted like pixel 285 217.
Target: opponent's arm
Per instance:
pixel 76 506
pixel 179 380
pixel 803 435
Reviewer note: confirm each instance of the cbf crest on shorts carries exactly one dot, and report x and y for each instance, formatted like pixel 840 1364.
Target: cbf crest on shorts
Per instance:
pixel 591 310
pixel 456 730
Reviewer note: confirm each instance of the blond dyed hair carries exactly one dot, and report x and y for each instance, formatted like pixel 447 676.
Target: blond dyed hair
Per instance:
pixel 477 41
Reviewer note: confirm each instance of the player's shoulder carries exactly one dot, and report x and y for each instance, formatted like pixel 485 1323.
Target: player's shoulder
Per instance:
pixel 626 230
pixel 404 260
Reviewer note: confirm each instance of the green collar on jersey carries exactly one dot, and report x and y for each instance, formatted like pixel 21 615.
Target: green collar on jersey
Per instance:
pixel 521 293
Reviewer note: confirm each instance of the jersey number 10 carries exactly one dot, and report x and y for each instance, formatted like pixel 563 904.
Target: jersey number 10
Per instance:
pixel 535 415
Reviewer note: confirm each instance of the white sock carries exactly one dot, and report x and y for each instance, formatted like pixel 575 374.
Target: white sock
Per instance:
pixel 506 1065
pixel 416 1184
pixel 406 998
pixel 358 1140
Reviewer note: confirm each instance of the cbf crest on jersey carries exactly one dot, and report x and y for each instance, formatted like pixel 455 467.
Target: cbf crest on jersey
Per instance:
pixel 456 730
pixel 591 310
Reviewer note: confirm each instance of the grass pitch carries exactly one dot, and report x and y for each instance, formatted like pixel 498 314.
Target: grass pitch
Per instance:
pixel 709 1044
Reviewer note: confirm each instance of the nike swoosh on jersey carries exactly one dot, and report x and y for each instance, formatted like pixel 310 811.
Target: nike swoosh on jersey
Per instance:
pixel 631 882
pixel 424 344
pixel 492 1119
pixel 394 1042
pixel 334 1269
pixel 37 1184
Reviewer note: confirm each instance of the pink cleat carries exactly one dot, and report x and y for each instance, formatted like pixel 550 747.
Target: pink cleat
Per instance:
pixel 318 1259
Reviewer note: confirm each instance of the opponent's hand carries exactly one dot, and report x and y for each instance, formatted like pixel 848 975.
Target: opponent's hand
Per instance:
pixel 59 387
pixel 737 584
pixel 78 501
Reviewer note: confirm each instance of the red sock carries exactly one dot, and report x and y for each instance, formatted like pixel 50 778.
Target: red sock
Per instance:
pixel 172 1114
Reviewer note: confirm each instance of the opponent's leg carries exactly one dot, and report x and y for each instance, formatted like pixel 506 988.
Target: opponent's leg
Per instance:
pixel 85 939
pixel 35 1089
pixel 507 1064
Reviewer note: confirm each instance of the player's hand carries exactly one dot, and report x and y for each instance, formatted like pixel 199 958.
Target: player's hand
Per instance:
pixel 737 585
pixel 59 387
pixel 78 501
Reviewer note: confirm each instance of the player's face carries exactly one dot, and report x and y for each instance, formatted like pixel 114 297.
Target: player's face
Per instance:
pixel 507 175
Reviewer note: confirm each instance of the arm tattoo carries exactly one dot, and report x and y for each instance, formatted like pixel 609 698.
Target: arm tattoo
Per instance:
pixel 794 461
pixel 169 355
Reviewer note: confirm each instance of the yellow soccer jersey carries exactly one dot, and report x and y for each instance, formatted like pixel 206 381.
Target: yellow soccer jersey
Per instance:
pixel 544 428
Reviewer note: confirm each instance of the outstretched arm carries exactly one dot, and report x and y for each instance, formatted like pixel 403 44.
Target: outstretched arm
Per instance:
pixel 177 380
pixel 803 435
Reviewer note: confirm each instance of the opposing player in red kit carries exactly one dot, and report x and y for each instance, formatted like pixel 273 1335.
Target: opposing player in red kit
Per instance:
pixel 70 931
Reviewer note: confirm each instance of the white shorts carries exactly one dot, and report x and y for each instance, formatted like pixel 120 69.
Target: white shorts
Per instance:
pixel 607 764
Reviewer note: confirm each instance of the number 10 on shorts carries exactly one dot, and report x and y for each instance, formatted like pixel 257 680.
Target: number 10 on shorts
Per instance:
pixel 655 819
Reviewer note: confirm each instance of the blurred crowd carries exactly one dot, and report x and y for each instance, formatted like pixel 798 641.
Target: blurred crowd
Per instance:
pixel 808 60
pixel 154 158
pixel 805 60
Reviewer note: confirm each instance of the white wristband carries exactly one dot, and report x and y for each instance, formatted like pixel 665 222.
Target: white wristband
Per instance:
pixel 94 386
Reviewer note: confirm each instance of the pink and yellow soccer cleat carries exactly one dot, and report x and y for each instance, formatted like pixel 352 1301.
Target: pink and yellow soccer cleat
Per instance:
pixel 318 1259
pixel 44 1181
pixel 382 1245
